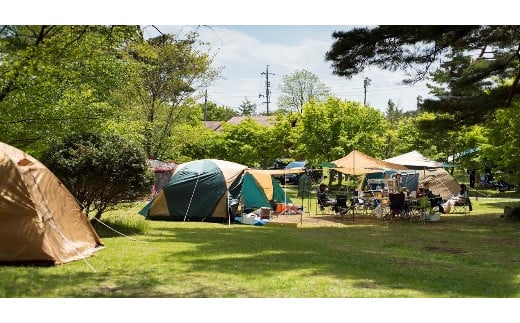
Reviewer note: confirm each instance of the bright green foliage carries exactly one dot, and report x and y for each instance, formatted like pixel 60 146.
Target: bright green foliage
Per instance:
pixel 100 170
pixel 170 72
pixel 217 113
pixel 203 144
pixel 332 129
pixel 299 88
pixel 503 150
pixel 57 80
pixel 245 143
pixel 247 108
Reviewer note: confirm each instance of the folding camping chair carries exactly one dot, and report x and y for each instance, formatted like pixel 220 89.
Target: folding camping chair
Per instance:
pixel 341 208
pixel 324 202
pixel 424 208
pixel 397 206
pixel 360 202
pixel 462 205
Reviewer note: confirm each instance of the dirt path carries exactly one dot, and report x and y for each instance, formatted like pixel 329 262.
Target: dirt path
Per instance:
pixel 323 219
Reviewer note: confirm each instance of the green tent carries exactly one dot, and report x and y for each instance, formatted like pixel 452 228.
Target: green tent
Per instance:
pixel 254 196
pixel 267 183
pixel 279 195
pixel 198 190
pixel 202 190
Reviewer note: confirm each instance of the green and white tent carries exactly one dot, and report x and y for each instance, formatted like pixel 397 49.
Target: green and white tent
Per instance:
pixel 201 190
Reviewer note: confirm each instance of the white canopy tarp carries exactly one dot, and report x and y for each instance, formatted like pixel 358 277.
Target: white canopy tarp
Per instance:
pixel 414 160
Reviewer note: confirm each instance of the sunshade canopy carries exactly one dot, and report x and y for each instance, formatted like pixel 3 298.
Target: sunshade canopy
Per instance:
pixel 357 163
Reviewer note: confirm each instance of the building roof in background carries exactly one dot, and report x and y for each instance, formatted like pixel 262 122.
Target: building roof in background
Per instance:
pixel 213 125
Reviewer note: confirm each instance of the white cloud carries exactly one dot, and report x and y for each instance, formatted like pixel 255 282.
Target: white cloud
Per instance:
pixel 245 55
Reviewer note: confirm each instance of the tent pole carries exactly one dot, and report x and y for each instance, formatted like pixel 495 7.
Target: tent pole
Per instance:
pixel 228 209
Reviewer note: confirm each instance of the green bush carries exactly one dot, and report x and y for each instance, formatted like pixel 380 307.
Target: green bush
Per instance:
pixel 100 170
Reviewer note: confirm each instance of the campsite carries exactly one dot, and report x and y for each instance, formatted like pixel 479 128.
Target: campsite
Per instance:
pixel 131 191
pixel 307 254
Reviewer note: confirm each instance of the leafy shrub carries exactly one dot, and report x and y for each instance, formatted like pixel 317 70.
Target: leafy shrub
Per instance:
pixel 100 170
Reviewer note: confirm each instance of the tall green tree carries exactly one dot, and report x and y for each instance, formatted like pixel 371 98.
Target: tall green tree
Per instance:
pixel 503 149
pixel 170 75
pixel 215 112
pixel 57 80
pixel 247 108
pixel 393 113
pixel 330 130
pixel 300 87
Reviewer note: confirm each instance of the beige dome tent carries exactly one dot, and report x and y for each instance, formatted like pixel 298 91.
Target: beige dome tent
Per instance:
pixel 40 220
pixel 441 182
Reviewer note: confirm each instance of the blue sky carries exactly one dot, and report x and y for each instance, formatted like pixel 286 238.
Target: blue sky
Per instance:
pixel 244 51
pixel 245 37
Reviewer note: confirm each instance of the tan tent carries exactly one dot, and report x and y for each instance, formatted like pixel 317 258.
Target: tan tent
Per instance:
pixel 40 220
pixel 358 163
pixel 441 182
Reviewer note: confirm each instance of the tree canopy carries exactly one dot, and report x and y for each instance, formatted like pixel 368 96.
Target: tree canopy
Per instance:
pixel 59 79
pixel 300 87
pixel 478 66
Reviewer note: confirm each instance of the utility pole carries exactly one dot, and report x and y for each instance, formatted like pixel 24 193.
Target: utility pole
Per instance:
pixel 366 83
pixel 205 104
pixel 267 85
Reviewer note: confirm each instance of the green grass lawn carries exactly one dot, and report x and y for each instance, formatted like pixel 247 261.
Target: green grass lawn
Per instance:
pixel 463 256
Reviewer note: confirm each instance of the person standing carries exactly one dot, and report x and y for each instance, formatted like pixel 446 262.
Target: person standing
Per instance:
pixel 472 178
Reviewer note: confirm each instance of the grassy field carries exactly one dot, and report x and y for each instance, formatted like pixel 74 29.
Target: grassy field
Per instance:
pixel 471 256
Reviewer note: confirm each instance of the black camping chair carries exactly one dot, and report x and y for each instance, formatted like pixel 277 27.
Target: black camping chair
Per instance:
pixel 397 205
pixel 324 201
pixel 341 207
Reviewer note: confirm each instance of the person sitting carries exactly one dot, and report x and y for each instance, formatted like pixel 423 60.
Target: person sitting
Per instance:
pixel 435 199
pixel 461 200
pixel 463 197
pixel 323 197
pixel 424 191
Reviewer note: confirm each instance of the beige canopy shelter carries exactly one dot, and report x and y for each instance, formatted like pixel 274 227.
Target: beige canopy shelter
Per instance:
pixel 40 220
pixel 358 163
